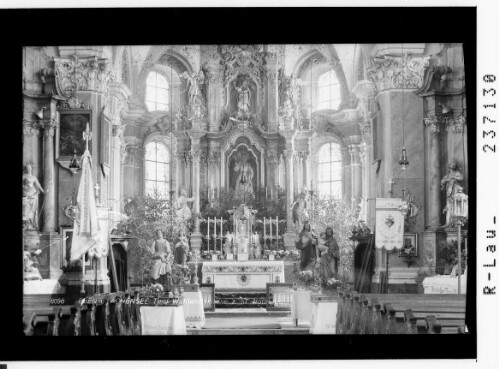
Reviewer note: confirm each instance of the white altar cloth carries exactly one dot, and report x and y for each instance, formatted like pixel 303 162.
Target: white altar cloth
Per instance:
pixel 162 320
pixel 194 309
pixel 301 308
pixel 443 284
pixel 251 274
pixel 323 317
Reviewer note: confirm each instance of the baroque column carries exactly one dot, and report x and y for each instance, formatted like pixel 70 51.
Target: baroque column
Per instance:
pixel 356 174
pixel 48 211
pixel 432 205
pixel 272 89
pixel 288 157
pixel 196 155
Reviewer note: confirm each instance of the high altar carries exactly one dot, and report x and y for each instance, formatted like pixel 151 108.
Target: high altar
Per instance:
pixel 247 272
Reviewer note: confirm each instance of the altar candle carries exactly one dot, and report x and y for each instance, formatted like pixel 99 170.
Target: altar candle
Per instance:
pixel 208 238
pixel 265 192
pixel 270 233
pixel 221 233
pixel 277 229
pixel 264 231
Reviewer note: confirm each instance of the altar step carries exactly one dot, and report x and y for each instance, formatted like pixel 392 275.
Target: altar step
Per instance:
pixel 244 324
pixel 230 299
pixel 245 313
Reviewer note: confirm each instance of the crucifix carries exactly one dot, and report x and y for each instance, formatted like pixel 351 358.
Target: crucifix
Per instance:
pixel 87 136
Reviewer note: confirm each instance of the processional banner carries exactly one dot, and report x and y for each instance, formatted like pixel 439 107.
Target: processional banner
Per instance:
pixel 86 226
pixel 389 223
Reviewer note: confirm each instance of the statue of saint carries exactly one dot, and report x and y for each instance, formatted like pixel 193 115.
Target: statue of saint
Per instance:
pixel 300 212
pixel 161 270
pixel 31 272
pixel 306 241
pixel 243 100
pixel 181 249
pixel 183 211
pixel 330 255
pixel 451 183
pixel 31 190
pixel 244 183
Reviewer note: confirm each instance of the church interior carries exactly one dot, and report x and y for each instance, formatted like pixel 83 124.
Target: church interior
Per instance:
pixel 244 189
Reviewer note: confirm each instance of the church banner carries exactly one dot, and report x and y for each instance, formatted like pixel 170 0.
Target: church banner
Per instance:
pixel 86 226
pixel 389 224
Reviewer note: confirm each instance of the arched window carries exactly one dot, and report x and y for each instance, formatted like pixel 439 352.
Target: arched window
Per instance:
pixel 329 169
pixel 157 169
pixel 157 92
pixel 329 91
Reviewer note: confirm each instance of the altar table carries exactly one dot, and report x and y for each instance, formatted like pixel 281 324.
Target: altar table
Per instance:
pixel 162 320
pixel 194 309
pixel 323 317
pixel 301 308
pixel 251 274
pixel 443 284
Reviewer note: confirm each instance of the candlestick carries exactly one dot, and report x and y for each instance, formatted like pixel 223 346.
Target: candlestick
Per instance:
pixel 270 233
pixel 208 234
pixel 264 231
pixel 277 229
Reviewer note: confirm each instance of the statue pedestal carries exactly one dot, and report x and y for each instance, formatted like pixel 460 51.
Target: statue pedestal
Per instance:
pixel 289 240
pixel 196 241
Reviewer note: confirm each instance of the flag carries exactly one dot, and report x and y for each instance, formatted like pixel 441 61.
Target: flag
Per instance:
pixel 86 226
pixel 389 223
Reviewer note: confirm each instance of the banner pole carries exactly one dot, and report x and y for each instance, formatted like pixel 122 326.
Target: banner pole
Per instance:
pixel 82 274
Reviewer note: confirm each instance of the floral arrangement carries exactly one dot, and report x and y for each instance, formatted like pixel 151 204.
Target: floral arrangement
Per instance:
pixel 181 274
pixel 408 252
pixel 333 283
pixel 144 216
pixel 155 289
pixel 339 214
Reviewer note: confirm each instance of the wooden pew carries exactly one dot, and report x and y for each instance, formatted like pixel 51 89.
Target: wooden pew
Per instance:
pixel 377 322
pixel 102 326
pixel 410 321
pixel 65 321
pixel 364 315
pixel 29 324
pixel 432 326
pixel 127 314
pixel 87 320
pixel 390 327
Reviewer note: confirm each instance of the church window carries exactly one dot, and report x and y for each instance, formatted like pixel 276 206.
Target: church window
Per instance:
pixel 329 91
pixel 157 92
pixel 329 170
pixel 157 169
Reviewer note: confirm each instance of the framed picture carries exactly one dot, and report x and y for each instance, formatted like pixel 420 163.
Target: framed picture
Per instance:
pixel 410 242
pixel 279 296
pixel 208 293
pixel 67 240
pixel 69 135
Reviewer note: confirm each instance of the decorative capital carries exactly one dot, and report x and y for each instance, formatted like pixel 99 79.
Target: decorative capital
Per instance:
pixel 456 124
pixel 133 154
pixel 117 131
pixel 288 154
pixel 213 157
pixel 433 123
pixel 49 126
pixel 83 74
pixel 196 156
pixel 30 127
pixel 398 72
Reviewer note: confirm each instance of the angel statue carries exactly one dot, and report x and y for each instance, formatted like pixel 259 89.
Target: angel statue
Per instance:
pixel 183 211
pixel 243 100
pixel 194 81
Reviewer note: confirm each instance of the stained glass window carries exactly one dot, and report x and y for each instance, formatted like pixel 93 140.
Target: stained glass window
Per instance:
pixel 329 170
pixel 157 92
pixel 157 169
pixel 329 91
